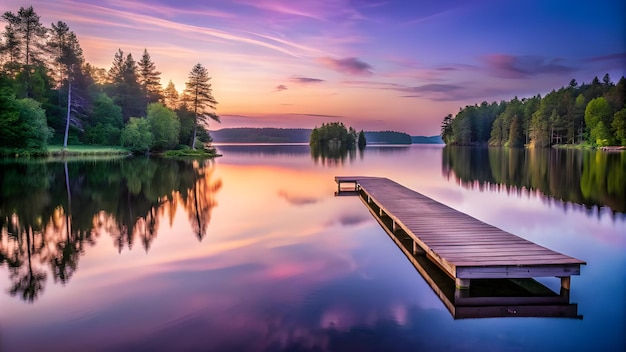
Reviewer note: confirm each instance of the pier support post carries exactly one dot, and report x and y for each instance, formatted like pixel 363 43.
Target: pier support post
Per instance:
pixel 380 212
pixel 460 294
pixel 462 284
pixel 565 282
pixel 565 285
pixel 417 249
pixel 393 226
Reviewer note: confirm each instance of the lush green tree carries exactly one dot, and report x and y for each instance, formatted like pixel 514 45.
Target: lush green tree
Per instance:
pixel 149 78
pixel 10 129
pixel 619 125
pixel 165 126
pixel 598 119
pixel 106 122
pixel 22 124
pixel 200 97
pixel 137 135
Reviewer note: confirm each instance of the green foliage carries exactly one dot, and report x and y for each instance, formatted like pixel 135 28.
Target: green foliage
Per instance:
pixel 165 126
pixel 107 120
pixel 619 126
pixel 362 142
pixel 333 134
pixel 200 99
pixel 137 135
pixel 22 124
pixel 103 134
pixel 559 117
pixel 598 119
pixel 106 111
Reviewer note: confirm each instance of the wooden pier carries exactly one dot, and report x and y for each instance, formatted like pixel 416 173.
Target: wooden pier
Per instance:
pixel 464 247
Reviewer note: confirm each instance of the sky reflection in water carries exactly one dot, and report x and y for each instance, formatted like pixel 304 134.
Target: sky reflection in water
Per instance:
pixel 286 265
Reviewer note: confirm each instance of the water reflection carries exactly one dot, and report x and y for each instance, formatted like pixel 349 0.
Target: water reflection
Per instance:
pixel 333 155
pixel 587 177
pixel 51 212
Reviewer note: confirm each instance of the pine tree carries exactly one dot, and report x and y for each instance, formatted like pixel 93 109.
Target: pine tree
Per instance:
pixel 115 72
pixel 27 41
pixel 200 98
pixel 170 96
pixel 149 78
pixel 69 60
pixel 125 88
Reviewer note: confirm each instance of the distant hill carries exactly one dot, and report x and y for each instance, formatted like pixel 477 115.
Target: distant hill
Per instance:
pixel 387 137
pixel 261 135
pixel 301 135
pixel 427 140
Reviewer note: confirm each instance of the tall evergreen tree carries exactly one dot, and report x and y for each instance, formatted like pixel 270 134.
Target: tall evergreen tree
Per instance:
pixel 149 78
pixel 68 57
pixel 200 98
pixel 170 96
pixel 29 36
pixel 125 89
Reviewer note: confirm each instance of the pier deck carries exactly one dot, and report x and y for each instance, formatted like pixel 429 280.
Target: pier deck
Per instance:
pixel 464 247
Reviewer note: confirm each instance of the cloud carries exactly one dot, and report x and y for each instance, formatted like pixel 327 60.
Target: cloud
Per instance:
pixel 432 88
pixel 297 200
pixel 510 66
pixel 351 220
pixel 349 65
pixel 280 88
pixel 372 84
pixel 305 80
pixel 610 61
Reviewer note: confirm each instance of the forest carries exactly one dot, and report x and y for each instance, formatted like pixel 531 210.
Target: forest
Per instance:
pixel 49 94
pixel 592 114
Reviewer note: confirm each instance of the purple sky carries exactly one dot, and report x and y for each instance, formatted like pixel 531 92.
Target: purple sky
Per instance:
pixel 375 65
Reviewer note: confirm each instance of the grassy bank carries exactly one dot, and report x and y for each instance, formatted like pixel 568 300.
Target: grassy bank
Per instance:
pixel 86 150
pixel 191 153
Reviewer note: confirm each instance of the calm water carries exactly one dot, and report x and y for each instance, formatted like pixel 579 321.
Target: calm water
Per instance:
pixel 254 252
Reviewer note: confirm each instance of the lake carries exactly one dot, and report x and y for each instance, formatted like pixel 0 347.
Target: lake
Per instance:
pixel 254 252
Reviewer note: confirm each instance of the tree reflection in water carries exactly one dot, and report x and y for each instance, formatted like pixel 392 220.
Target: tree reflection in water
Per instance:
pixel 587 177
pixel 50 212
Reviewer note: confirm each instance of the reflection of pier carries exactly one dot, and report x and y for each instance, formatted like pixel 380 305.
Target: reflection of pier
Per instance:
pixel 451 250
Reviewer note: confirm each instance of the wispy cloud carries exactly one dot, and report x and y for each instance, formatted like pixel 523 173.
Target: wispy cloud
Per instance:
pixel 111 17
pixel 610 57
pixel 297 200
pixel 280 88
pixel 510 66
pixel 305 80
pixel 349 65
pixel 372 84
pixel 169 11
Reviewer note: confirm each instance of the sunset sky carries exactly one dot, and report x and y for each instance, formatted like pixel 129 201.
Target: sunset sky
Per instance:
pixel 374 65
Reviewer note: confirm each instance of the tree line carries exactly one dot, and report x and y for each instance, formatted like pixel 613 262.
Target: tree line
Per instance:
pixel 593 114
pixel 50 94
